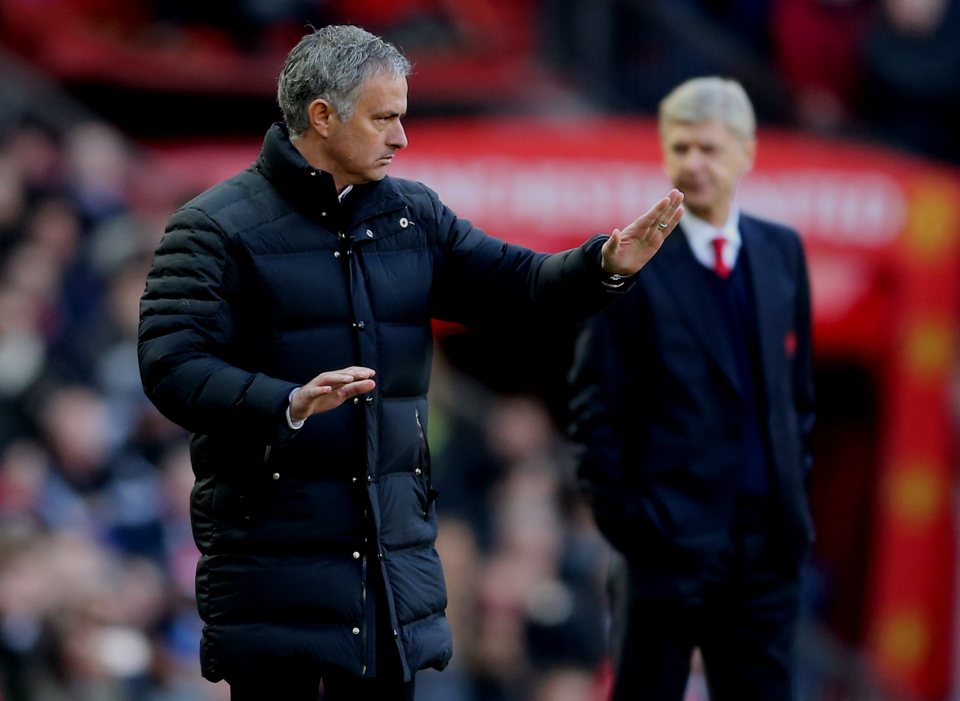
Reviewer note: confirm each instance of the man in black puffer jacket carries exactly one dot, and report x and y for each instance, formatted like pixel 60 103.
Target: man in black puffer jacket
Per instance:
pixel 286 323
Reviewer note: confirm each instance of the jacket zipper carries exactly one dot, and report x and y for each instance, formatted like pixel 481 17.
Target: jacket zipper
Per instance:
pixel 363 616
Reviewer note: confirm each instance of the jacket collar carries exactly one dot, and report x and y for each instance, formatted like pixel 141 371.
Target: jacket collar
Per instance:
pixel 312 191
pixel 774 311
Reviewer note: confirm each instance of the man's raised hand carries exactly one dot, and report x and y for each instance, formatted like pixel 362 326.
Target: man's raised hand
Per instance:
pixel 628 249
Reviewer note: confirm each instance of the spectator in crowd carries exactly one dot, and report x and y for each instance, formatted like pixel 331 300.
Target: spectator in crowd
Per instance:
pixel 911 58
pixel 816 46
pixel 275 298
pixel 693 403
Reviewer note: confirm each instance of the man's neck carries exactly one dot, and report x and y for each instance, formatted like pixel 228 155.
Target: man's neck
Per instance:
pixel 309 148
pixel 716 217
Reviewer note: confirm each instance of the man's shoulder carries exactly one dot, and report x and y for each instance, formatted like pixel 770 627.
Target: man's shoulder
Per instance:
pixel 410 189
pixel 225 193
pixel 232 203
pixel 773 228
pixel 778 239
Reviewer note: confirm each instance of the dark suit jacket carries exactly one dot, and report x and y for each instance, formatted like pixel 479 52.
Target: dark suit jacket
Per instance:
pixel 658 408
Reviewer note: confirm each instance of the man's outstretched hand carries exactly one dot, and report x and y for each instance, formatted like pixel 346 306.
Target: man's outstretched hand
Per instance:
pixel 628 249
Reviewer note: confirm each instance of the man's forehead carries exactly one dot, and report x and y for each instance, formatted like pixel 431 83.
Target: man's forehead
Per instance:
pixel 383 88
pixel 383 80
pixel 708 129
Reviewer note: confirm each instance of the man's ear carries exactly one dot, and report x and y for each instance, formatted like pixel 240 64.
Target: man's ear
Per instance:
pixel 320 112
pixel 750 154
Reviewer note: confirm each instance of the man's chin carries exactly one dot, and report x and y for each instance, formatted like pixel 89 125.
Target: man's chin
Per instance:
pixel 694 203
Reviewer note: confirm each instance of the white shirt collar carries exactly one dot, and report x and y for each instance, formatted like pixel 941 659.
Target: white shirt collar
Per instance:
pixel 700 233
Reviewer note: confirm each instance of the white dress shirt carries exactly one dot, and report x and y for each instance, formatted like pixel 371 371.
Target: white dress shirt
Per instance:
pixel 700 233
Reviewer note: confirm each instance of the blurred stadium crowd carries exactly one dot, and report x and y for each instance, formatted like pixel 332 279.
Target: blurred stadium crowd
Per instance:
pixel 96 556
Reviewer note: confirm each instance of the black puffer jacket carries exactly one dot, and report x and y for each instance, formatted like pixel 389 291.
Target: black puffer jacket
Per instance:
pixel 260 284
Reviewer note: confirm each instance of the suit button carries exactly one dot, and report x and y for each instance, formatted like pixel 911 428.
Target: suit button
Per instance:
pixel 276 475
pixel 418 471
pixel 369 401
pixel 356 400
pixel 355 631
pixel 369 479
pixel 336 254
pixel 361 325
pixel 356 555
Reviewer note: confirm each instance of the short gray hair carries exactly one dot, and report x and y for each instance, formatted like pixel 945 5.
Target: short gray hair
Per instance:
pixel 332 64
pixel 702 99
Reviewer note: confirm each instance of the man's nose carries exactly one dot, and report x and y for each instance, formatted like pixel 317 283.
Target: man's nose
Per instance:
pixel 397 138
pixel 692 159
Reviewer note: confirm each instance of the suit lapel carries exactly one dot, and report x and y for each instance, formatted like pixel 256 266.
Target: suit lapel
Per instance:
pixel 765 274
pixel 682 275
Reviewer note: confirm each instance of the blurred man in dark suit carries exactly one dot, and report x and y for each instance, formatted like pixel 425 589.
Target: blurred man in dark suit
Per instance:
pixel 693 402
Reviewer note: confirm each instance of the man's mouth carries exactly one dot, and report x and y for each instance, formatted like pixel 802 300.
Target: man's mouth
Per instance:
pixel 690 186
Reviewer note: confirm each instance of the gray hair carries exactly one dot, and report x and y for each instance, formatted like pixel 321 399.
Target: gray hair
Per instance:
pixel 702 99
pixel 332 63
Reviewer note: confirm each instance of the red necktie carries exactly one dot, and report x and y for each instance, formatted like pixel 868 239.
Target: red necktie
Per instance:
pixel 719 266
